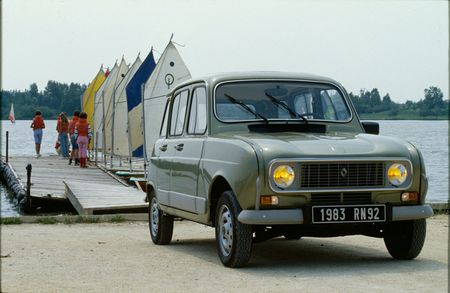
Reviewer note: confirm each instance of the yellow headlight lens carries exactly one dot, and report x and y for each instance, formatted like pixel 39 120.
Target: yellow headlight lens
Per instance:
pixel 283 176
pixel 397 174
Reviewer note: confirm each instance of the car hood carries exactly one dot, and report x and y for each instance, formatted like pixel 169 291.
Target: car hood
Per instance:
pixel 337 145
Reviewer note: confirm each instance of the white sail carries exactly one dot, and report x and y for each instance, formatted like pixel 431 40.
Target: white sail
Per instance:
pixel 108 96
pixel 169 72
pixel 11 115
pixel 120 127
pixel 99 110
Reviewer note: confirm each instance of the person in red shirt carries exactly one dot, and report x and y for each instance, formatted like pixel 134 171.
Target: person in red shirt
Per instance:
pixel 37 125
pixel 73 140
pixel 62 127
pixel 83 135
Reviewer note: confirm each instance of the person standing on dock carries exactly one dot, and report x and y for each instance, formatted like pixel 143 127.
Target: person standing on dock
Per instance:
pixel 63 127
pixel 37 125
pixel 83 135
pixel 73 140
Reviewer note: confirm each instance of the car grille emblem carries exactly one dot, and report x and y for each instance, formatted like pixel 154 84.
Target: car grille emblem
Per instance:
pixel 344 172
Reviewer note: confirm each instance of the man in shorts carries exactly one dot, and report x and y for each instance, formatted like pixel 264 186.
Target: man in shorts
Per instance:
pixel 38 125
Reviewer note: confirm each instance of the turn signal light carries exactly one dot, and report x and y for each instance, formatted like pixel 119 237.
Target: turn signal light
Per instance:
pixel 269 200
pixel 410 196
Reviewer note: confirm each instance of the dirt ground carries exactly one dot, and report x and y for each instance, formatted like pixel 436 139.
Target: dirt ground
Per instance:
pixel 121 258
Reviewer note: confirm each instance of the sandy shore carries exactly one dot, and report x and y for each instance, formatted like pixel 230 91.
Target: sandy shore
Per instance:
pixel 121 258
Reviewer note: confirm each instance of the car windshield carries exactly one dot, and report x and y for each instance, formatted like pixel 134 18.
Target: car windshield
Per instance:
pixel 279 100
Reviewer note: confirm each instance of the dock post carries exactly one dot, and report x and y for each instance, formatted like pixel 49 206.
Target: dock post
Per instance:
pixel 7 145
pixel 96 148
pixel 28 199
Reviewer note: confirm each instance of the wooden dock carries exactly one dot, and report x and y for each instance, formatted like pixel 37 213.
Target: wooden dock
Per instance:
pixel 89 190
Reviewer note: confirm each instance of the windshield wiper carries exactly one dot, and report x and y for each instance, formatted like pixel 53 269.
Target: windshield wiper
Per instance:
pixel 243 105
pixel 286 107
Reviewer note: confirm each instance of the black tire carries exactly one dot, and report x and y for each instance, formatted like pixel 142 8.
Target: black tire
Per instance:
pixel 159 224
pixel 233 239
pixel 405 239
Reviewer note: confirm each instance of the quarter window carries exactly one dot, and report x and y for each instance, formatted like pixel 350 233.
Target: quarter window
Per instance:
pixel 178 113
pixel 197 115
pixel 164 124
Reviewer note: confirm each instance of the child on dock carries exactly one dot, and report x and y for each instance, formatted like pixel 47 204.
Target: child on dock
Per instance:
pixel 73 139
pixel 83 135
pixel 38 125
pixel 63 128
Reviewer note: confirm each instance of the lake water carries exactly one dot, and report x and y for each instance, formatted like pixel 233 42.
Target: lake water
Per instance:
pixel 431 137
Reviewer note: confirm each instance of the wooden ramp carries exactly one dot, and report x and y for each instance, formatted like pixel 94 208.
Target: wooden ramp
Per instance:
pixel 99 198
pixel 50 172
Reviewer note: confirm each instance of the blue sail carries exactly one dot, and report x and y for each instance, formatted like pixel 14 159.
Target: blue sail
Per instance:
pixel 134 102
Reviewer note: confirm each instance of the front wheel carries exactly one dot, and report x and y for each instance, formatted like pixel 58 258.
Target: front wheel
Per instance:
pixel 405 239
pixel 233 239
pixel 160 225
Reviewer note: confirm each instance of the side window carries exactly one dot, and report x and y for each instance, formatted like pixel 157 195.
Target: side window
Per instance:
pixel 178 113
pixel 197 114
pixel 163 131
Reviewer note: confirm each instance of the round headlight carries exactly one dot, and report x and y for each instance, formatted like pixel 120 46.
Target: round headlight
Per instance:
pixel 397 174
pixel 283 176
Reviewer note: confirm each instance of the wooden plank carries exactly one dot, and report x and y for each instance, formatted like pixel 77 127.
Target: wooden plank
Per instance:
pixel 94 197
pixel 74 201
pixel 88 189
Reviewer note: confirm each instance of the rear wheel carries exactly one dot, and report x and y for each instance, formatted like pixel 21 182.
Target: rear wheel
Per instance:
pixel 405 239
pixel 233 239
pixel 160 224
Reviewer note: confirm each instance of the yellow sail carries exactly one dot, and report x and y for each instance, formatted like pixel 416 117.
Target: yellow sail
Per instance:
pixel 89 96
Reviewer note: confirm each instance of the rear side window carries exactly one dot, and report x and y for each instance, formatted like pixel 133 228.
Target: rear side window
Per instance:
pixel 164 124
pixel 197 114
pixel 178 113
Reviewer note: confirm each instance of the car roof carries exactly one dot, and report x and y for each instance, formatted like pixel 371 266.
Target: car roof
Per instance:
pixel 216 78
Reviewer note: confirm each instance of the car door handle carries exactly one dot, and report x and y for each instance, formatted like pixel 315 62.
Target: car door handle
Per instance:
pixel 179 147
pixel 163 147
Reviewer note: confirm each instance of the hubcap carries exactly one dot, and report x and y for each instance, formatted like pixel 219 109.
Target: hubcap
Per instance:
pixel 154 219
pixel 225 230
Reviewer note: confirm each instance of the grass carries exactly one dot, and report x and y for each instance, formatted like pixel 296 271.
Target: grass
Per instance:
pixel 117 219
pixel 47 220
pixel 87 220
pixel 11 221
pixel 68 221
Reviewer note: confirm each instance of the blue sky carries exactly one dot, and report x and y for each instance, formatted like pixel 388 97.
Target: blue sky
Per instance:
pixel 400 47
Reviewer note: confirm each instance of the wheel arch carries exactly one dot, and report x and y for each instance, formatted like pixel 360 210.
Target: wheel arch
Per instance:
pixel 218 186
pixel 150 190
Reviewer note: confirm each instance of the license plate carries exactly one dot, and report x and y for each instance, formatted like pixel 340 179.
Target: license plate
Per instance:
pixel 348 214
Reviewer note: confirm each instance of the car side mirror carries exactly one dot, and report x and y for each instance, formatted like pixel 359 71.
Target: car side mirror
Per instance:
pixel 371 127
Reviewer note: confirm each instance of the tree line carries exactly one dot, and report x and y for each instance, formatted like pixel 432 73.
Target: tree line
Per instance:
pixel 370 105
pixel 56 97
pixel 61 97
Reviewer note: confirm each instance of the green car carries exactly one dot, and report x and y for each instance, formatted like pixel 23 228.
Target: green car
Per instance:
pixel 268 154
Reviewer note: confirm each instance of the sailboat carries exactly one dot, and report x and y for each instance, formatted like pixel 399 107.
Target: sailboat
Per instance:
pixel 120 124
pixel 87 100
pixel 11 116
pixel 134 103
pixel 168 73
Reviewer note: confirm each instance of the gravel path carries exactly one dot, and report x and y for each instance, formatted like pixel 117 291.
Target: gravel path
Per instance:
pixel 121 258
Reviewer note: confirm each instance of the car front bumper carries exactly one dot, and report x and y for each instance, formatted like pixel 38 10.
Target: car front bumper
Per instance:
pixel 296 216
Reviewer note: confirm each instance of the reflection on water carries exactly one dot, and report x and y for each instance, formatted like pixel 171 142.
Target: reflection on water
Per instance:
pixel 431 137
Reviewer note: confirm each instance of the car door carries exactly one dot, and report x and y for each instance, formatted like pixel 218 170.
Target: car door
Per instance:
pixel 188 152
pixel 165 146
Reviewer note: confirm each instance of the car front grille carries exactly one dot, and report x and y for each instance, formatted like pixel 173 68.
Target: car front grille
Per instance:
pixel 342 175
pixel 341 198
